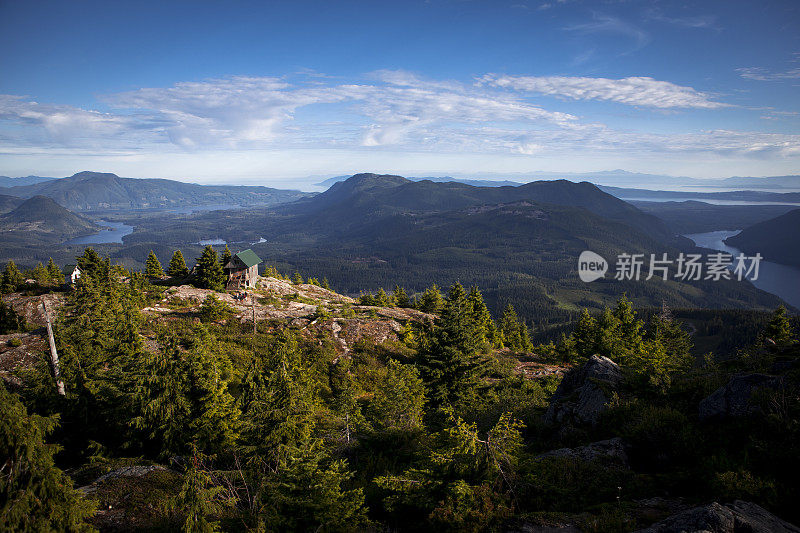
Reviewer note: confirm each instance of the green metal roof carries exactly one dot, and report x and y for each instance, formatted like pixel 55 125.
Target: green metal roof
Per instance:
pixel 248 257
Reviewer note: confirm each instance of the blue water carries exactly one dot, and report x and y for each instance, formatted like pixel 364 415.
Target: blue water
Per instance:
pixel 781 280
pixel 115 233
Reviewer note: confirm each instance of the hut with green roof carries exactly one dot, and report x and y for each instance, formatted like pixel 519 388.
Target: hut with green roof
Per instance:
pixel 242 270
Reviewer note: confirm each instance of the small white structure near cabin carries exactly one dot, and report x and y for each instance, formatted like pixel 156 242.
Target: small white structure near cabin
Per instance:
pixel 71 274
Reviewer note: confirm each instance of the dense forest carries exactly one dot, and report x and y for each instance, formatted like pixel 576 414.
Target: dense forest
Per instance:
pixel 210 421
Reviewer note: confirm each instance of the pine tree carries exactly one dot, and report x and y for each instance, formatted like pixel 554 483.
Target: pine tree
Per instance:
pixel 209 273
pixel 40 274
pixel 199 497
pixel 431 300
pixel 153 268
pixel 779 329
pixel 297 279
pixel 325 284
pixel 55 274
pixel 226 256
pixel 34 494
pixel 278 401
pixel 344 391
pixel 484 327
pixel 12 278
pixel 10 321
pixel 177 266
pixel 449 361
pixel 515 332
pixel 400 297
pixel 93 266
pixel 399 401
pixel 381 298
pixel 307 494
pixel 183 396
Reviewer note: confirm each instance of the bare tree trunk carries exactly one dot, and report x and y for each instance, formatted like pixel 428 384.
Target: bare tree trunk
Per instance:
pixel 53 353
pixel 253 305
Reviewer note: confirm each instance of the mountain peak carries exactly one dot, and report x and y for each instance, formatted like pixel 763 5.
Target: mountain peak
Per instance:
pixel 87 174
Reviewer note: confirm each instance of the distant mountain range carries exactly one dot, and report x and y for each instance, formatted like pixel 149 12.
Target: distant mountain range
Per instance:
pixel 518 244
pixel 699 217
pixel 737 196
pixel 43 221
pixel 777 239
pixel 95 191
pixel 617 178
pixel 5 181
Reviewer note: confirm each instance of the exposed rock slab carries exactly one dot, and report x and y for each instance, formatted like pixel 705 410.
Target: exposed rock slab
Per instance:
pixel 734 399
pixel 584 392
pixel 737 517
pixel 613 449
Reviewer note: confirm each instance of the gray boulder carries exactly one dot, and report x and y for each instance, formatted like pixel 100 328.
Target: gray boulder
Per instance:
pixel 613 449
pixel 736 517
pixel 584 392
pixel 734 399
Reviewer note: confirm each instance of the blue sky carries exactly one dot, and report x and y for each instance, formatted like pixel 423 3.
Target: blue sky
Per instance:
pixel 274 91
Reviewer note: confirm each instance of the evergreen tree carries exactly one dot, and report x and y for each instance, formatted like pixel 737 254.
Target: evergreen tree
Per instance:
pixel 226 256
pixel 199 497
pixel 779 329
pixel 431 300
pixel 279 400
pixel 399 401
pixel 209 273
pixel 325 284
pixel 400 297
pixel 449 360
pixel 34 494
pixel 485 329
pixel 177 266
pixel 307 494
pixel 297 279
pixel 514 330
pixel 93 266
pixel 55 274
pixel 345 400
pixel 584 337
pixel 183 396
pixel 41 274
pixel 153 268
pixel 382 299
pixel 12 278
pixel 10 321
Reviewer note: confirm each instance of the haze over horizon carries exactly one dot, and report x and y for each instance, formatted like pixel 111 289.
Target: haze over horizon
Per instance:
pixel 271 94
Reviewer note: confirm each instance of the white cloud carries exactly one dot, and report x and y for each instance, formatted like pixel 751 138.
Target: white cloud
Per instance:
pixel 393 112
pixel 762 74
pixel 606 24
pixel 636 91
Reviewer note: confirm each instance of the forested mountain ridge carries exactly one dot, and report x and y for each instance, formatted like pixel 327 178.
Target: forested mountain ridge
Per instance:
pixel 95 191
pixel 777 239
pixel 41 218
pixel 375 195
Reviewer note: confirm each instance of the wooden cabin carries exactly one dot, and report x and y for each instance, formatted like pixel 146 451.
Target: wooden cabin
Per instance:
pixel 71 274
pixel 242 270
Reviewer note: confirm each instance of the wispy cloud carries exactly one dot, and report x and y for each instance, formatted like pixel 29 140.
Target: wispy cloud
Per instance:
pixel 762 74
pixel 390 111
pixel 700 21
pixel 607 24
pixel 636 91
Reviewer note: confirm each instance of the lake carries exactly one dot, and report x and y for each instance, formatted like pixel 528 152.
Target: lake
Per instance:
pixel 115 233
pixel 777 279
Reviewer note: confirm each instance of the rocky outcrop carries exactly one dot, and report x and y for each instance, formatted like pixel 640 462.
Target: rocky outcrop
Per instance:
pixel 737 517
pixel 735 398
pixel 613 449
pixel 584 392
pixel 125 471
